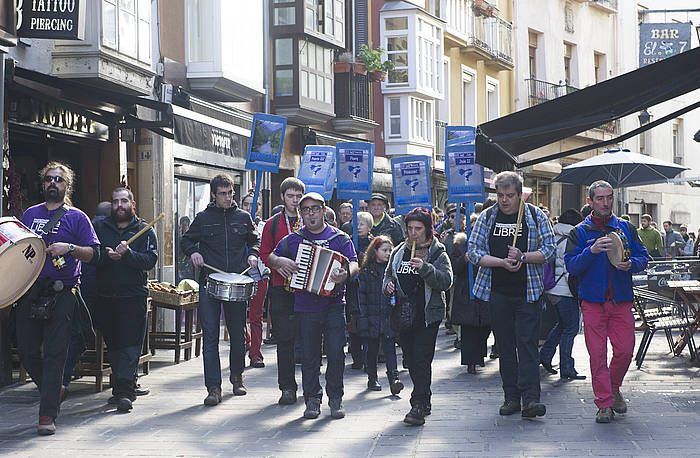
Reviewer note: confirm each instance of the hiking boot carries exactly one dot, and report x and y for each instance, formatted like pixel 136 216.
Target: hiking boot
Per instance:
pixel 373 384
pixel 124 404
pixel 395 385
pixel 534 409
pixel 313 408
pixel 604 415
pixel 337 410
pixel 46 426
pixel 494 353
pixel 213 398
pixel 415 417
pixel 238 387
pixel 257 363
pixel 288 397
pixel 509 408
pixel 620 406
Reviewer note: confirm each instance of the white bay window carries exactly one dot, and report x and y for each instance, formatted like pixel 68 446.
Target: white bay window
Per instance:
pixel 126 27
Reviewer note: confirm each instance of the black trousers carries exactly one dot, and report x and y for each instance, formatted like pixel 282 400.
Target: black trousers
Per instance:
pixel 418 345
pixel 122 321
pixel 285 325
pixel 474 348
pixel 43 345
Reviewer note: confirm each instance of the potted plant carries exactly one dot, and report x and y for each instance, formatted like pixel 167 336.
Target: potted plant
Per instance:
pixel 483 8
pixel 346 63
pixel 372 58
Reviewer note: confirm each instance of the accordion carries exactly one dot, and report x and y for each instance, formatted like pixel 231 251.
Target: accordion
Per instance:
pixel 315 265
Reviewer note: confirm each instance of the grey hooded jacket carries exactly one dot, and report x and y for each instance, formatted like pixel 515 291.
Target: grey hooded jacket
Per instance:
pixel 437 276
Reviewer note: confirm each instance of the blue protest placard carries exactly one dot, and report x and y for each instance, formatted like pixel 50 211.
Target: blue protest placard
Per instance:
pixel 354 169
pixel 317 169
pixel 465 178
pixel 411 179
pixel 266 141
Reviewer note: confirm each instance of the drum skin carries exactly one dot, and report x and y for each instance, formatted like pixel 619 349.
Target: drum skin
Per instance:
pixel 620 250
pixel 230 287
pixel 22 256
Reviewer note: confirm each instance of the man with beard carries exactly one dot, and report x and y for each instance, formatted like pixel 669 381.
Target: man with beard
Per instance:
pixel 43 334
pixel 120 310
pixel 319 315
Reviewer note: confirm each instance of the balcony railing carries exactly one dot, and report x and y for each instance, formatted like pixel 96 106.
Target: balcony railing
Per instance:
pixel 440 130
pixel 609 4
pixel 492 35
pixel 610 127
pixel 353 96
pixel 542 91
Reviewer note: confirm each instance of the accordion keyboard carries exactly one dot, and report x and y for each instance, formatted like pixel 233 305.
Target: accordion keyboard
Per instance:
pixel 304 258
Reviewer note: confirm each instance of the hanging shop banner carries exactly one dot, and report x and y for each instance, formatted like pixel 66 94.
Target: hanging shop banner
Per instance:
pixel 354 169
pixel 200 135
pixel 266 141
pixel 317 170
pixel 660 41
pixel 465 178
pixel 411 178
pixel 51 19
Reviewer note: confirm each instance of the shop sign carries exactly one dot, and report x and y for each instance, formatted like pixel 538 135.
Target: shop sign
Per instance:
pixel 200 135
pixel 660 41
pixel 54 117
pixel 51 19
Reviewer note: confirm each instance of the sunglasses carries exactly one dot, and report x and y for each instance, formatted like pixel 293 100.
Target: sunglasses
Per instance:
pixel 53 179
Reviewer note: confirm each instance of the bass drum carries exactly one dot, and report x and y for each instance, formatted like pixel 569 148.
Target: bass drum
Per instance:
pixel 22 256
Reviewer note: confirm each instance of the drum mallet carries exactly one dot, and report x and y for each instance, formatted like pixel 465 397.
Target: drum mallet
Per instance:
pixel 214 269
pixel 146 228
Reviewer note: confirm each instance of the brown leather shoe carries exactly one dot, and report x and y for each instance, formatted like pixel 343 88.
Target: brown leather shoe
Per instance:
pixel 238 387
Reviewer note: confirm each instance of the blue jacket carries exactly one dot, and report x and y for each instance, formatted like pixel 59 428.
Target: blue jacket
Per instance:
pixel 593 271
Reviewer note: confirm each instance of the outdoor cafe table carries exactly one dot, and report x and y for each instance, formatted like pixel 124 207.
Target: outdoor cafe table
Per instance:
pixel 689 292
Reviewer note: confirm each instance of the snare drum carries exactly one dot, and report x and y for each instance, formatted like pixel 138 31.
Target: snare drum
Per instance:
pixel 22 256
pixel 230 287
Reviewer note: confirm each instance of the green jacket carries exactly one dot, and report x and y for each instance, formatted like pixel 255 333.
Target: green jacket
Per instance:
pixel 437 276
pixel 651 238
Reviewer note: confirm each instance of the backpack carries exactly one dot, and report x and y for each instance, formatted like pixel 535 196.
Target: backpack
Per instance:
pixel 548 271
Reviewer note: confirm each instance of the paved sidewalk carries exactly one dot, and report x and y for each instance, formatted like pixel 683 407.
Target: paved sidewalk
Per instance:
pixel 663 416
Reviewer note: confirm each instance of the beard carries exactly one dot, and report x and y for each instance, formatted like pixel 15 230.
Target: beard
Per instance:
pixel 122 215
pixel 54 195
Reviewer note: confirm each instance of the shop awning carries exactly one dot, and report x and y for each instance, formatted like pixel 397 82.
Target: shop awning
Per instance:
pixel 111 108
pixel 501 142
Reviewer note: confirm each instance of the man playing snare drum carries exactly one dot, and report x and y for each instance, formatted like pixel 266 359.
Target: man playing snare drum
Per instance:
pixel 606 295
pixel 222 236
pixel 45 315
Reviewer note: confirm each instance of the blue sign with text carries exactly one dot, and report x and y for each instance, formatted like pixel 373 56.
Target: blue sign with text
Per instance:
pixel 660 41
pixel 411 180
pixel 317 170
pixel 465 178
pixel 354 169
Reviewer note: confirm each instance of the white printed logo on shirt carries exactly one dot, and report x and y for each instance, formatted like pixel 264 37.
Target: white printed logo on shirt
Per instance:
pixel 405 268
pixel 506 230
pixel 38 226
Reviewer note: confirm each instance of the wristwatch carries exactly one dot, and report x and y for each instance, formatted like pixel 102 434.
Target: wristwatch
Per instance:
pixel 522 258
pixel 71 247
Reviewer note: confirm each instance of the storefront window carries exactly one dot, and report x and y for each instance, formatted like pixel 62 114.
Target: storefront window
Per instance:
pixel 540 190
pixel 191 197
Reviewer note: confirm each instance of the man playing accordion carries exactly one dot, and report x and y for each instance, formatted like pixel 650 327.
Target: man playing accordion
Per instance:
pixel 318 315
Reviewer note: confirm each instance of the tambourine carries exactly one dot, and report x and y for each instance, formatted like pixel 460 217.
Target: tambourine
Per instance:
pixel 620 249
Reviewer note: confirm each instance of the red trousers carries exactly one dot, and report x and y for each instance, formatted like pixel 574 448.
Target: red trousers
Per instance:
pixel 603 322
pixel 253 336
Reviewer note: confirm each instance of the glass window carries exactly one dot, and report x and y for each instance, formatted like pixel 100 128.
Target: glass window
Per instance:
pixel 304 83
pixel 284 82
pixel 422 120
pixel 144 32
pixel 397 52
pixel 396 23
pixel 284 16
pixel 283 51
pixel 109 23
pixel 316 72
pixel 394 117
pixel 429 52
pixel 126 26
pixel 200 32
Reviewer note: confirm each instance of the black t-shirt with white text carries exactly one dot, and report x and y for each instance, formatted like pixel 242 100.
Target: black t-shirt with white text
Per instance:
pixel 512 284
pixel 412 285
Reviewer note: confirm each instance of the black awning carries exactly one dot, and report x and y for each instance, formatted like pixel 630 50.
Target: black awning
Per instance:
pixel 111 108
pixel 501 141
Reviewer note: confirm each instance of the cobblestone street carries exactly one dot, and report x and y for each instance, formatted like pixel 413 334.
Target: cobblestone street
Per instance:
pixel 663 418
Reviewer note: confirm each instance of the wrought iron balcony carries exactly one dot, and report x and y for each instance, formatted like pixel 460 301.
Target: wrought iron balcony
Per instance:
pixel 353 103
pixel 607 5
pixel 542 91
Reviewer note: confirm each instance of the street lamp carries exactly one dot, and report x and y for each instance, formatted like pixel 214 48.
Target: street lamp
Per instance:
pixel 644 117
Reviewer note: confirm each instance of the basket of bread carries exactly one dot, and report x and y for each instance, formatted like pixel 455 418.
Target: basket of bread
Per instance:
pixel 165 293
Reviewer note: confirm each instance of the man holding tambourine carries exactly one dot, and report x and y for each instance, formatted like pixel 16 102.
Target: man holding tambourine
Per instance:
pixel 603 252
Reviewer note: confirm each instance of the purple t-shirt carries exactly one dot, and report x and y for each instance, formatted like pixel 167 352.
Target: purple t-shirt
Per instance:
pixel 74 227
pixel 307 302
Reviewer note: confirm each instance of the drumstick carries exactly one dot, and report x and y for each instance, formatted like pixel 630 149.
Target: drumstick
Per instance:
pixel 147 227
pixel 214 268
pixel 413 250
pixel 249 267
pixel 520 220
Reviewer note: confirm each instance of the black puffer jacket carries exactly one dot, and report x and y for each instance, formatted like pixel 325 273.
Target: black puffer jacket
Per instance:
pixel 224 237
pixel 465 310
pixel 128 276
pixel 391 228
pixel 373 304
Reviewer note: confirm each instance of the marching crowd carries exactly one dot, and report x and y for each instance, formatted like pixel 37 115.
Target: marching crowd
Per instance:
pixel 405 276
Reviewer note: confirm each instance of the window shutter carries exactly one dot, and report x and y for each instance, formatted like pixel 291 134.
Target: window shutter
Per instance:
pixel 361 24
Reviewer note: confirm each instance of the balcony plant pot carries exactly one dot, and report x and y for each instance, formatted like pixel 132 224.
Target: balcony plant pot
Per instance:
pixel 350 67
pixel 377 75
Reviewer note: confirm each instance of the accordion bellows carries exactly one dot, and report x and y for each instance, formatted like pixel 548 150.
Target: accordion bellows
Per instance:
pixel 315 266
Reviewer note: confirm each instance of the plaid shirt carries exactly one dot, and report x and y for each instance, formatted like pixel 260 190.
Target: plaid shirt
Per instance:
pixel 540 238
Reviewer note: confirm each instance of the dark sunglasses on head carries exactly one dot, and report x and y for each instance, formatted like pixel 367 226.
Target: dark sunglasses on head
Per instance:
pixel 53 179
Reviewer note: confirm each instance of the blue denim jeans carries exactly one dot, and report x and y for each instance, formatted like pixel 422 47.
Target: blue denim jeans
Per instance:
pixel 515 324
pixel 562 334
pixel 329 323
pixel 210 315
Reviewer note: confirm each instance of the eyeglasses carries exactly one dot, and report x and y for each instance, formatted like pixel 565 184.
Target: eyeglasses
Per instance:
pixel 312 209
pixel 53 179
